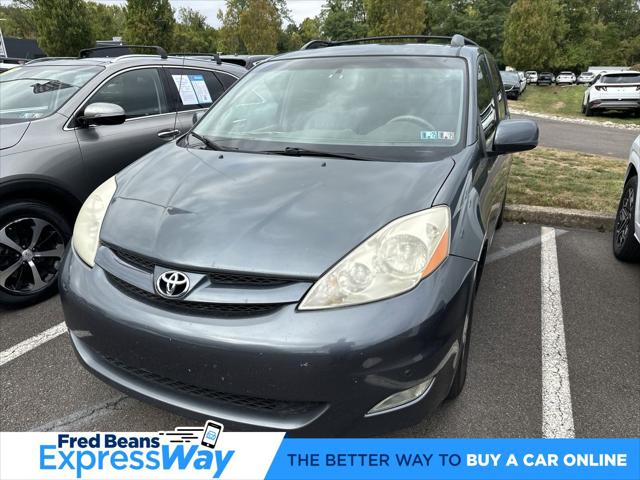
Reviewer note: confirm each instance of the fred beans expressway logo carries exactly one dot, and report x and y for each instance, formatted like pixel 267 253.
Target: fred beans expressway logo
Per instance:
pixel 185 451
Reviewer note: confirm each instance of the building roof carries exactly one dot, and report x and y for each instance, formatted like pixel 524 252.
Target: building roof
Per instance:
pixel 23 48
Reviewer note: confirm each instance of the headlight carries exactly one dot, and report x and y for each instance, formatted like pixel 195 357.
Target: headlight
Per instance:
pixel 388 263
pixel 86 232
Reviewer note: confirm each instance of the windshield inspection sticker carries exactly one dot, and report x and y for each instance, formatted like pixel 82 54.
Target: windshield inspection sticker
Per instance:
pixel 446 135
pixel 428 135
pixel 437 135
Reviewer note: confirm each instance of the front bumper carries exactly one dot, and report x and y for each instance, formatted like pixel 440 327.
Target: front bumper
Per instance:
pixel 311 373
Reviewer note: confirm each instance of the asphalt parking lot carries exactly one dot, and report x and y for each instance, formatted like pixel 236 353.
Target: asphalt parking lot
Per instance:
pixel 536 290
pixel 596 139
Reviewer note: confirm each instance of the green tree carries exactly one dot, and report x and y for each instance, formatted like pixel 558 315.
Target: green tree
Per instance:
pixel 389 17
pixel 259 26
pixel 63 26
pixel 534 31
pixel 149 22
pixel 18 19
pixel 343 19
pixel 230 38
pixel 107 21
pixel 309 29
pixel 192 34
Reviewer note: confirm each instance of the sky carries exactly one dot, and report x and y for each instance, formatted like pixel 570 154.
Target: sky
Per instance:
pixel 300 9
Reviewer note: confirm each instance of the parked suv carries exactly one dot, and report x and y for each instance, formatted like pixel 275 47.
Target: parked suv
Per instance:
pixel 67 125
pixel 546 78
pixel 566 78
pixel 612 91
pixel 306 257
pixel 512 84
pixel 532 76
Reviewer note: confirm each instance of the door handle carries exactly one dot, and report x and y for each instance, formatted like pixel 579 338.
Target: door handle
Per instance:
pixel 168 133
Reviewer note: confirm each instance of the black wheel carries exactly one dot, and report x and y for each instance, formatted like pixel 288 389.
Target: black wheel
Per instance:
pixel 625 245
pixel 33 238
pixel 460 376
pixel 588 111
pixel 584 110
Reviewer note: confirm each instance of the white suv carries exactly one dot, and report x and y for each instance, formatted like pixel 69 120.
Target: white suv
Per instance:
pixel 626 231
pixel 613 91
pixel 568 78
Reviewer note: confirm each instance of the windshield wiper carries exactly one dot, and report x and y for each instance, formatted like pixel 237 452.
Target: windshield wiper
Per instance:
pixel 303 152
pixel 211 145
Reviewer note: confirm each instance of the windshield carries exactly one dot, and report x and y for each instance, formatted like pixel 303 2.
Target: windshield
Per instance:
pixel 28 93
pixel 622 78
pixel 510 77
pixel 384 108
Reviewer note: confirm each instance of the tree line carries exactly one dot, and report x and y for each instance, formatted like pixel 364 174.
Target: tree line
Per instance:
pixel 525 34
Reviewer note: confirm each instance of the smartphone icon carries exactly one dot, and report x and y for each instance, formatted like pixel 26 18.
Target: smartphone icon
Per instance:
pixel 212 431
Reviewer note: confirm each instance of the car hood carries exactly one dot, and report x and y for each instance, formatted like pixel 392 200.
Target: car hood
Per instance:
pixel 12 133
pixel 279 215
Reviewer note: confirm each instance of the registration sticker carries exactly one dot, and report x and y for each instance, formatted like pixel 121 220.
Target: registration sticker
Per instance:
pixel 437 135
pixel 446 135
pixel 428 135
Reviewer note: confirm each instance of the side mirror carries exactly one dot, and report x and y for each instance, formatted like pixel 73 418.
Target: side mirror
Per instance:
pixel 102 114
pixel 197 116
pixel 515 136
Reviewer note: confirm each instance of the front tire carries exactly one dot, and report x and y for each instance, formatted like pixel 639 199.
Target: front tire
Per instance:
pixel 625 245
pixel 460 377
pixel 33 237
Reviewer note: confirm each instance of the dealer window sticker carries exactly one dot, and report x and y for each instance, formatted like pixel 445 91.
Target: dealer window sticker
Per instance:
pixel 185 89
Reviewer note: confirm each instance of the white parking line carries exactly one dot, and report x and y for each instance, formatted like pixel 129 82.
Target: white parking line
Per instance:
pixel 29 344
pixel 518 247
pixel 557 412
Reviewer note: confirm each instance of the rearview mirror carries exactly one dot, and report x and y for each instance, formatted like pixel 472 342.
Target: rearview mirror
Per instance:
pixel 102 114
pixel 197 116
pixel 515 136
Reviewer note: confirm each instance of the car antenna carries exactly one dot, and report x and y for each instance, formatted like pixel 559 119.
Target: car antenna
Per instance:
pixel 175 118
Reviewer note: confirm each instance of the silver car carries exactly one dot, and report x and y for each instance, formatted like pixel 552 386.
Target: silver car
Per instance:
pixel 66 126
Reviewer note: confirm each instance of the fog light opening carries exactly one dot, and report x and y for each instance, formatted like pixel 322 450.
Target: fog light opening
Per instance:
pixel 402 399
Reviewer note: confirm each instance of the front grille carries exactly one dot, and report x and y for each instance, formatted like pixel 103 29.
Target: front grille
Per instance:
pixel 281 407
pixel 215 309
pixel 247 280
pixel 216 278
pixel 136 260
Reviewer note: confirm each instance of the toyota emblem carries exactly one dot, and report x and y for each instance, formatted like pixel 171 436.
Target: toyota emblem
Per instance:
pixel 172 284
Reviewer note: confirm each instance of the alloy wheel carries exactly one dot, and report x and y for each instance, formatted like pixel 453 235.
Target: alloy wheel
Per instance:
pixel 30 253
pixel 623 222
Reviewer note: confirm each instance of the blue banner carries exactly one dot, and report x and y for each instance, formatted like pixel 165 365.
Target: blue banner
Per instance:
pixel 453 459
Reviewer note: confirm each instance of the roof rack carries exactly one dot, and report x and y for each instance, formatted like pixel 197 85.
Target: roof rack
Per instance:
pixel 214 56
pixel 85 52
pixel 456 40
pixel 47 59
pixel 17 60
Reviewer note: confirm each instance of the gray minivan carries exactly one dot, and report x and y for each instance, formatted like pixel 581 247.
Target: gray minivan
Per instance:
pixel 66 125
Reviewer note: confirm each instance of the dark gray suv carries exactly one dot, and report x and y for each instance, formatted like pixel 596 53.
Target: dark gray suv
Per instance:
pixel 66 125
pixel 306 258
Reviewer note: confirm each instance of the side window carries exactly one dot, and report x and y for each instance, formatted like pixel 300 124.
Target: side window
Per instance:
pixel 486 107
pixel 194 89
pixel 139 92
pixel 226 79
pixel 497 83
